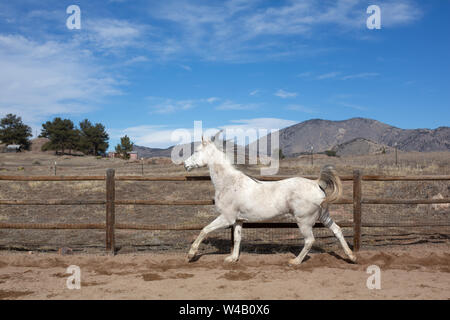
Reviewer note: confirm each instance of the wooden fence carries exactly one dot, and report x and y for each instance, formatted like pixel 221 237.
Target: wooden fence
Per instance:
pixel 110 202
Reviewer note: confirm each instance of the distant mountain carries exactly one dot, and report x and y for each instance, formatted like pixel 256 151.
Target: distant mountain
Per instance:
pixel 146 152
pixel 323 135
pixel 352 136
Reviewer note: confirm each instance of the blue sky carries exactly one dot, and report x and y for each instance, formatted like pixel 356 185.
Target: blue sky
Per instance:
pixel 145 68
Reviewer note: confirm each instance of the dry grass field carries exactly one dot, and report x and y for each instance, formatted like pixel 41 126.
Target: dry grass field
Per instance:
pixel 401 250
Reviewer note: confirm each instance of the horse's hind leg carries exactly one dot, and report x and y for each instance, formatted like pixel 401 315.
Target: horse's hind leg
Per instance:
pixel 219 223
pixel 306 231
pixel 237 243
pixel 338 233
pixel 329 223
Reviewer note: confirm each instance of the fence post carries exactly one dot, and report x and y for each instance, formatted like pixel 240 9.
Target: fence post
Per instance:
pixel 110 211
pixel 356 210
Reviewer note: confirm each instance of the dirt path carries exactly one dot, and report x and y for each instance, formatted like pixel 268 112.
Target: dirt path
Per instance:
pixel 412 272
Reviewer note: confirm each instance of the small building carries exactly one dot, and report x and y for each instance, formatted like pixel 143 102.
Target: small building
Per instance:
pixel 111 154
pixel 13 148
pixel 133 155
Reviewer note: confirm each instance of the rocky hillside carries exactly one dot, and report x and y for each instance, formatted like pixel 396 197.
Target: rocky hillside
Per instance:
pixel 361 146
pixel 350 137
pixel 325 134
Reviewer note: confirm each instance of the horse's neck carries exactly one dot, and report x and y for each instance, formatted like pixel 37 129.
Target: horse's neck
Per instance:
pixel 222 173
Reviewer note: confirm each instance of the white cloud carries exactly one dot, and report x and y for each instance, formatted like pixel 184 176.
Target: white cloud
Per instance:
pixel 285 94
pixel 185 67
pixel 212 99
pixel 137 59
pixel 40 79
pixel 160 136
pixel 166 105
pixel 145 135
pixel 395 13
pixel 110 34
pixel 335 74
pixel 304 74
pixel 233 30
pixel 245 30
pixel 230 105
pixel 162 105
pixel 254 92
pixel 328 75
pixel 363 75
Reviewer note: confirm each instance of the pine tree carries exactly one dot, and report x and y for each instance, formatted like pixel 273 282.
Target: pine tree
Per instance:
pixel 93 138
pixel 62 134
pixel 124 147
pixel 14 131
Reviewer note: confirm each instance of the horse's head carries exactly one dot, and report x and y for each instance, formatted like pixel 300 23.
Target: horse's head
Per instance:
pixel 203 155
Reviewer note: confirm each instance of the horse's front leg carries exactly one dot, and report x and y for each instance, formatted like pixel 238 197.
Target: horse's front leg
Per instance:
pixel 219 223
pixel 237 243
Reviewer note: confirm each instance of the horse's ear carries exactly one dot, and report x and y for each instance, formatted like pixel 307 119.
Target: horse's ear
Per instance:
pixel 203 141
pixel 216 136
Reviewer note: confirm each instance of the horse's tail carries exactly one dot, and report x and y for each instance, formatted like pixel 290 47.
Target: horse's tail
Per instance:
pixel 329 179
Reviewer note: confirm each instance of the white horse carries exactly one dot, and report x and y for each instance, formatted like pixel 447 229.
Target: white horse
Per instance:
pixel 240 198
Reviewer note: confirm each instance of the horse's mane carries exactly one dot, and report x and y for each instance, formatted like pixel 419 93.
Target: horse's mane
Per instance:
pixel 232 164
pixel 254 179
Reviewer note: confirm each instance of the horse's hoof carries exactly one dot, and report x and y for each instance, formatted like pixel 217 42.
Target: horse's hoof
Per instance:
pixel 230 259
pixel 294 262
pixel 353 258
pixel 191 256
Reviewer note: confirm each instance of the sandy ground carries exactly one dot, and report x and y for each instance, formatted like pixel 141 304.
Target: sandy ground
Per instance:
pixel 409 272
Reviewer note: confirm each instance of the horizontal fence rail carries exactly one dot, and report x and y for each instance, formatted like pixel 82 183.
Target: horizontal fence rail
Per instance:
pixel 110 202
pixel 52 178
pixel 208 178
pixel 187 227
pixel 52 202
pixel 55 226
pixel 403 201
pixel 203 202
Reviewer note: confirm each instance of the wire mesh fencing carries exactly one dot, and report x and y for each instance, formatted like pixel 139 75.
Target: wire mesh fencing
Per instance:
pixel 25 225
